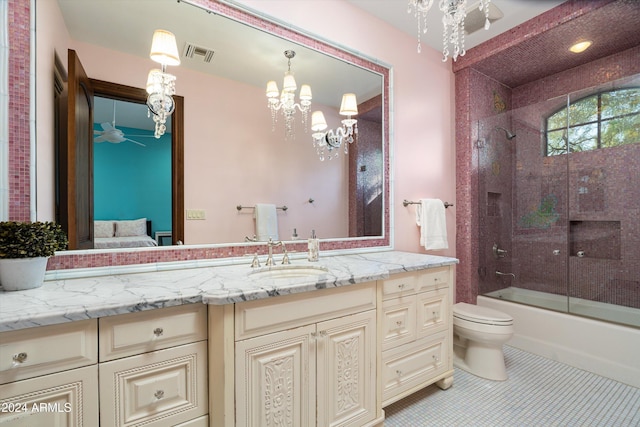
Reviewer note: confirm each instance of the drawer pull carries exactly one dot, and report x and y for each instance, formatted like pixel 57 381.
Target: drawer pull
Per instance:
pixel 399 323
pixel 158 332
pixel 398 372
pixel 401 286
pixel 159 394
pixel 19 358
pixel 436 314
pixel 436 359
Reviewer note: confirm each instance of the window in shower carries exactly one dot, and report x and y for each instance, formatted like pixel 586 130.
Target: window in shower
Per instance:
pixel 606 119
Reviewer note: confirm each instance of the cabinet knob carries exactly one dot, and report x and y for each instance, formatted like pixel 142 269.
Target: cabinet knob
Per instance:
pixel 436 314
pixel 436 359
pixel 158 331
pixel 399 323
pixel 20 357
pixel 401 286
pixel 320 334
pixel 159 394
pixel 398 372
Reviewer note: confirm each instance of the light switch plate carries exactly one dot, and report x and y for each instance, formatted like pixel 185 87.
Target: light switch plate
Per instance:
pixel 195 214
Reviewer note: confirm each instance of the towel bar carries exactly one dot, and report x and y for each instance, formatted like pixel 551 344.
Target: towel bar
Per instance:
pixel 240 207
pixel 406 203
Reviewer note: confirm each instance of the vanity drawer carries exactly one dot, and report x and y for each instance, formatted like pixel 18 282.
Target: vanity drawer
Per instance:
pixel 399 285
pixel 433 278
pixel 68 398
pixel 432 311
pixel 28 353
pixel 254 318
pixel 398 321
pixel 165 387
pixel 411 365
pixel 145 331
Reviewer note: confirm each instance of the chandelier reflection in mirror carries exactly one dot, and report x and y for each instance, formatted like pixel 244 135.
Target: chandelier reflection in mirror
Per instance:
pixel 343 136
pixel 287 102
pixel 160 84
pixel 455 12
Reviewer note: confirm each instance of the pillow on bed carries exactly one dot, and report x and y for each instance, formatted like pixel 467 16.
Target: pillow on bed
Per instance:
pixel 136 227
pixel 103 228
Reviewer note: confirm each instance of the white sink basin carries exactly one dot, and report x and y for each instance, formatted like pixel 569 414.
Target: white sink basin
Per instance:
pixel 288 272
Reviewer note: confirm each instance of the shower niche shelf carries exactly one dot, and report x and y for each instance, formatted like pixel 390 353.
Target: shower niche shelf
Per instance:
pixel 595 239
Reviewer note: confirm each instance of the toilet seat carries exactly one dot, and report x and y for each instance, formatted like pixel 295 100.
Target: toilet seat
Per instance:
pixel 482 315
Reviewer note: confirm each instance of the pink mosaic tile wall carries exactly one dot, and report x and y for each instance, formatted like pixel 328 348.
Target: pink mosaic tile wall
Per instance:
pixel 19 140
pixel 19 129
pixel 475 100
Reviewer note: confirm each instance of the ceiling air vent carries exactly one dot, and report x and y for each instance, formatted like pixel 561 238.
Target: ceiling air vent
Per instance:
pixel 193 51
pixel 475 17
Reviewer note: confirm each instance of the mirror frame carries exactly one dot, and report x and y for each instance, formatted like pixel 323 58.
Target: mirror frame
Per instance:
pixel 123 257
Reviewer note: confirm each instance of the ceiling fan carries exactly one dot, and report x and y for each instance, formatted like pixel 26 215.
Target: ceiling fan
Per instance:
pixel 110 133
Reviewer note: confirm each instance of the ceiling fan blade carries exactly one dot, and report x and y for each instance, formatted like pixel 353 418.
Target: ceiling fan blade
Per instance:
pixel 107 127
pixel 135 142
pixel 101 138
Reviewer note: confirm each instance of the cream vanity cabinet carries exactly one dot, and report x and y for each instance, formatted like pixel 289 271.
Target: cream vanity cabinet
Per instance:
pixel 153 367
pixel 146 368
pixel 304 360
pixel 416 330
pixel 49 375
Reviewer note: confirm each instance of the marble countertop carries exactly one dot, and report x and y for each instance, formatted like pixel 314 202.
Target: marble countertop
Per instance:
pixel 65 300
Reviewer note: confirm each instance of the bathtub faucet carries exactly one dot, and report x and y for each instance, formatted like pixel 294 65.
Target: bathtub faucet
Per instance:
pixel 500 273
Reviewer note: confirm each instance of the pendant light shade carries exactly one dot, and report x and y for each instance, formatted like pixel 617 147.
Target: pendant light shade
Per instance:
pixel 164 49
pixel 349 105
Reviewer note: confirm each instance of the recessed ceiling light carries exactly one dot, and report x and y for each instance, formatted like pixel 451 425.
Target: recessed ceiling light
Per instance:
pixel 581 46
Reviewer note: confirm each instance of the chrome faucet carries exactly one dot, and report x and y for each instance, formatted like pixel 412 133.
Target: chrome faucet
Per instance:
pixel 270 245
pixel 500 273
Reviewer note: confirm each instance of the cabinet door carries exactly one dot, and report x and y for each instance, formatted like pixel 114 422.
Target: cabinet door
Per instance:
pixel 64 399
pixel 276 379
pixel 346 352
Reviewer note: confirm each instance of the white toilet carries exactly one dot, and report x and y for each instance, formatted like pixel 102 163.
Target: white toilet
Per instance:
pixel 478 336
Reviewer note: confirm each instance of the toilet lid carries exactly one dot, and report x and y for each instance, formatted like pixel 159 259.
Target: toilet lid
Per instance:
pixel 478 314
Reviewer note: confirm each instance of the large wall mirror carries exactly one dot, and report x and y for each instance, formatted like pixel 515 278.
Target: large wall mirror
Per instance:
pixel 235 154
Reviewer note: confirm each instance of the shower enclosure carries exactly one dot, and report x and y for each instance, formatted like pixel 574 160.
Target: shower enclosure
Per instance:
pixel 559 203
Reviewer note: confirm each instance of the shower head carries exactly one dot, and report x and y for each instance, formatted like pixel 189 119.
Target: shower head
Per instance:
pixel 510 135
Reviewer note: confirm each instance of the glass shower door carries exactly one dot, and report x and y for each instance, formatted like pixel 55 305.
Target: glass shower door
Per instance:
pixel 604 202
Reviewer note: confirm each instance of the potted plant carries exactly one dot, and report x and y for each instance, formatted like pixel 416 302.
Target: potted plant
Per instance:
pixel 25 248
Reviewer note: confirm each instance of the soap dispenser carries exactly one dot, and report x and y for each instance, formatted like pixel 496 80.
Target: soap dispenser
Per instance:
pixel 314 247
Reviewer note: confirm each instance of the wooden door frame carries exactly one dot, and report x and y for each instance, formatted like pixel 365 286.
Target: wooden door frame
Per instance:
pixel 137 95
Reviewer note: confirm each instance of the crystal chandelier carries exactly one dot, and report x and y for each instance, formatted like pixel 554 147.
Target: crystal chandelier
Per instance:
pixel 332 140
pixel 160 84
pixel 455 11
pixel 287 103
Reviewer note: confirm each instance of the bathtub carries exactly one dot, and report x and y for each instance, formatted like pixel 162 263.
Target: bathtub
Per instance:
pixel 598 310
pixel 604 348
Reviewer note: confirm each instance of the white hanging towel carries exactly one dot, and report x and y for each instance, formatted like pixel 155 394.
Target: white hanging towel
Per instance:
pixel 266 222
pixel 430 217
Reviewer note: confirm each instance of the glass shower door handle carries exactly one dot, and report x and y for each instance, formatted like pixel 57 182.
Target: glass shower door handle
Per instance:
pixel 580 254
pixel 556 252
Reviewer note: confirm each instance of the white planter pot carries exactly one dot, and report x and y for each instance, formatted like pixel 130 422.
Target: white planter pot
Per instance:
pixel 17 274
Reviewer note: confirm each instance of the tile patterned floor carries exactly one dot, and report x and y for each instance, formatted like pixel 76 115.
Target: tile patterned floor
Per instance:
pixel 539 393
